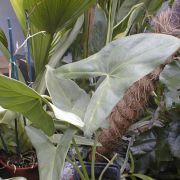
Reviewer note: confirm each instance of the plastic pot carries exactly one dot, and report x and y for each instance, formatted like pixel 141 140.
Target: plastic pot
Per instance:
pixel 112 173
pixel 30 173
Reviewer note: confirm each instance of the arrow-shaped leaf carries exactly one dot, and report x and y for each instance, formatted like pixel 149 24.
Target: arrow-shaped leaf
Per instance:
pixel 122 62
pixel 66 94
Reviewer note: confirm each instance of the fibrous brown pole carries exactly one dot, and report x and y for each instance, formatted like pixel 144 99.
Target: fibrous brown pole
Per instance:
pixel 126 112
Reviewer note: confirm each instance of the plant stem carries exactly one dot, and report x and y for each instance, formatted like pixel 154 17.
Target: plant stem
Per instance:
pixel 103 156
pixel 17 138
pixel 106 167
pixel 132 162
pixel 93 157
pixel 76 168
pixel 80 160
pixel 24 119
pixel 111 18
pixel 86 34
pixel 127 155
pixel 3 143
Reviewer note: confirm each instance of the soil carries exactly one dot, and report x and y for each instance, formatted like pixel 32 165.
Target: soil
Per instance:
pixel 24 165
pixel 25 160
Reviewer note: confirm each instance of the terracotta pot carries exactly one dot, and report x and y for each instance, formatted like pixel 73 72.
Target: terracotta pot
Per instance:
pixel 30 173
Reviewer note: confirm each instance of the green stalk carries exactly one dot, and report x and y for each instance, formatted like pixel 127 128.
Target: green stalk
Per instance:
pixel 18 151
pixel 106 167
pixel 24 120
pixel 104 157
pixel 111 18
pixel 109 23
pixel 80 160
pixel 93 158
pixel 132 162
pixel 76 168
pixel 86 34
pixel 127 155
pixel 3 143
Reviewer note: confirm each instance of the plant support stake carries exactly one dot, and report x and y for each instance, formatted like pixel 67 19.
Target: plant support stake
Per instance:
pixel 14 72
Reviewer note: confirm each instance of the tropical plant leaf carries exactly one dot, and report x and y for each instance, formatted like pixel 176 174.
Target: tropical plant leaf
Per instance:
pixel 121 63
pixel 125 8
pixel 97 37
pixel 151 6
pixel 58 51
pixel 148 9
pixel 50 158
pixel 20 13
pixel 124 26
pixel 40 48
pixel 170 77
pixel 40 44
pixel 68 117
pixel 52 16
pixel 17 97
pixel 66 94
pixel 61 14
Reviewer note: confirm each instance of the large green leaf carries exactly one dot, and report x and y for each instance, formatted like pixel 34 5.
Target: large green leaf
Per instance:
pixel 50 17
pixel 40 44
pixel 16 96
pixel 66 94
pixel 121 63
pixel 50 158
pixel 55 15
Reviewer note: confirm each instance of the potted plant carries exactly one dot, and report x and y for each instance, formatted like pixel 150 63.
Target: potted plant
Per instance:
pixel 17 156
pixel 67 24
pixel 73 105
